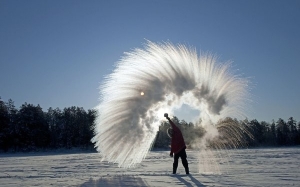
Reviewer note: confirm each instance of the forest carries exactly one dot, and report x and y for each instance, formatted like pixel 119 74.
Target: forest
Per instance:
pixel 29 128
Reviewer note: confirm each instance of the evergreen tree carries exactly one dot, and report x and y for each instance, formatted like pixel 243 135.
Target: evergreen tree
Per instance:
pixel 257 131
pixel 268 135
pixel 292 135
pixel 54 121
pixel 298 134
pixel 4 126
pixel 273 134
pixel 32 130
pixel 88 129
pixel 282 132
pixel 162 139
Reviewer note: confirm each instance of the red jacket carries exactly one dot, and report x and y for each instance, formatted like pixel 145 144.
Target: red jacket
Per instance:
pixel 177 142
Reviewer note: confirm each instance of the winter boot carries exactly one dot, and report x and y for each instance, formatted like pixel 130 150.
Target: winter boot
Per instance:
pixel 187 170
pixel 186 166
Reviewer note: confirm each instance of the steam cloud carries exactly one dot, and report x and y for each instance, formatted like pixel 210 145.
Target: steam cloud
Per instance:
pixel 168 76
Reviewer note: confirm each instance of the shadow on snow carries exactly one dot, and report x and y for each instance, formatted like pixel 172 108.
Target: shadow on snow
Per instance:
pixel 192 180
pixel 136 181
pixel 116 181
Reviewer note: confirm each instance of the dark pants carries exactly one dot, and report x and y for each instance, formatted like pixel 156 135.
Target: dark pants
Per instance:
pixel 182 155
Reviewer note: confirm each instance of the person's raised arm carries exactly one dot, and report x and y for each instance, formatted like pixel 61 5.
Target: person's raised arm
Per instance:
pixel 171 122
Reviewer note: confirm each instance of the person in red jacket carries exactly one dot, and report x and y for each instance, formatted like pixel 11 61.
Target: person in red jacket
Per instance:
pixel 177 147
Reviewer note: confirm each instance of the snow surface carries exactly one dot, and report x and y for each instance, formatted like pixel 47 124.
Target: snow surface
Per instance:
pixel 246 167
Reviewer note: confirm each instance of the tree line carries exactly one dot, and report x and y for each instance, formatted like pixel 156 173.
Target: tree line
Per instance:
pixel 29 128
pixel 279 133
pixel 255 134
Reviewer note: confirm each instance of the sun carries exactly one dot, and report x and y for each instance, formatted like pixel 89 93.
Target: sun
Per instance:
pixel 142 93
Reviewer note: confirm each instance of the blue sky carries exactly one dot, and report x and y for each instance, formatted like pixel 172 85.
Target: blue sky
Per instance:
pixel 56 53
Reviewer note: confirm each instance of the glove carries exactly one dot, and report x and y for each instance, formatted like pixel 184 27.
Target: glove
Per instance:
pixel 171 154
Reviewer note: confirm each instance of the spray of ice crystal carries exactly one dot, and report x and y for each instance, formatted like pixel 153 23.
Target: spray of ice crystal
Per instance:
pixel 149 82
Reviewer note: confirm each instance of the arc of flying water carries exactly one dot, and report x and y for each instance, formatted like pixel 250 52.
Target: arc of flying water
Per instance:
pixel 148 82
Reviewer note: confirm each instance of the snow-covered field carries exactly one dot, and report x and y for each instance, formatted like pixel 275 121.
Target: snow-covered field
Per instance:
pixel 247 167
